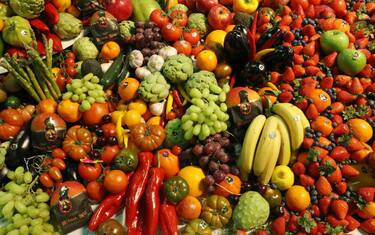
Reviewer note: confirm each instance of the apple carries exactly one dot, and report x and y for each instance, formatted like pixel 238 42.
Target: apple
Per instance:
pixel 120 9
pixel 351 61
pixel 283 177
pixel 204 6
pixel 333 40
pixel 219 17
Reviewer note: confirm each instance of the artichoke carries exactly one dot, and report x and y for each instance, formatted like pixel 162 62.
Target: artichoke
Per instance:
pixel 28 9
pixel 68 26
pixel 85 49
pixel 154 88
pixel 127 30
pixel 200 80
pixel 178 68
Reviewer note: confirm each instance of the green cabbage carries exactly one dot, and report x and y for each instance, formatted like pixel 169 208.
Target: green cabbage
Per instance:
pixel 175 134
pixel 27 8
pixel 200 80
pixel 68 26
pixel 85 49
pixel 178 68
pixel 154 88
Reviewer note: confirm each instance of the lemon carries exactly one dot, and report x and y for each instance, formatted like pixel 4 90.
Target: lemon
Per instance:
pixel 194 177
pixel 283 177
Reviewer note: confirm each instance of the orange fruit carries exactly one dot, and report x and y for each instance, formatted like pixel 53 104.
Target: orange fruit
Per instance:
pixel 320 99
pixel 297 198
pixel 47 106
pixel 139 105
pixel 110 50
pixel 206 60
pixel 323 125
pixel 69 111
pixel 362 154
pixel 189 208
pixel 194 177
pixel 341 25
pixel 361 129
pixel 128 88
pixel 131 118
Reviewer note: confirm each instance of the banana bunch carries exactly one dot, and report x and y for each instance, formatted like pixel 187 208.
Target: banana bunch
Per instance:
pixel 3 151
pixel 272 141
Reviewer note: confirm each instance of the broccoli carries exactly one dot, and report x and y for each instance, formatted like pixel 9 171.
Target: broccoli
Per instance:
pixel 127 30
pixel 154 88
pixel 175 134
pixel 199 22
pixel 178 68
pixel 200 80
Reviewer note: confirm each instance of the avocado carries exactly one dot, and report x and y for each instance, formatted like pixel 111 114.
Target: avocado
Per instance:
pixel 91 66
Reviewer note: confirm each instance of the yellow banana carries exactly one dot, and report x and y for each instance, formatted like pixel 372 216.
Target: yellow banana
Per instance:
pixel 285 149
pixel 252 135
pixel 304 120
pixel 273 152
pixel 266 145
pixel 260 54
pixel 293 121
pixel 272 86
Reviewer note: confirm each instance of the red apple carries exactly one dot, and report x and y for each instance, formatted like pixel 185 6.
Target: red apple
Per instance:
pixel 219 17
pixel 120 9
pixel 204 6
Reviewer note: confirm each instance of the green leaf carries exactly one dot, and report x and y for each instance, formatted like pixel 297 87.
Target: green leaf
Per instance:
pixel 334 231
pixel 349 113
pixel 344 139
pixel 326 169
pixel 313 154
pixel 358 200
pixel 306 222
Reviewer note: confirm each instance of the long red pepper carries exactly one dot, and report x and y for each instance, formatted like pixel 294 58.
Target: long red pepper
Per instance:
pixel 269 42
pixel 39 25
pixel 57 45
pixel 51 12
pixel 251 36
pixel 168 219
pixel 152 199
pixel 107 208
pixel 136 189
pixel 177 98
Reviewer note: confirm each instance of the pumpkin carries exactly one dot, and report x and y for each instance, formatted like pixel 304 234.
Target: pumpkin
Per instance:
pixel 147 137
pixel 11 122
pixel 77 142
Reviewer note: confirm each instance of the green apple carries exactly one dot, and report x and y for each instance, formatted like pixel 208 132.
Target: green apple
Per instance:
pixel 333 40
pixel 351 61
pixel 283 177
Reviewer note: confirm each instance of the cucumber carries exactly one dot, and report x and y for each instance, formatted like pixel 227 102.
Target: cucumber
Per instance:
pixel 124 70
pixel 111 74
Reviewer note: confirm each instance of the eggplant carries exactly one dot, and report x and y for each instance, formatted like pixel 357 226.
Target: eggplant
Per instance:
pixel 71 171
pixel 279 59
pixel 20 148
pixel 254 73
pixel 236 46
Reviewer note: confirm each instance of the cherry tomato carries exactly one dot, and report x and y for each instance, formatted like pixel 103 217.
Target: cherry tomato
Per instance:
pixel 159 17
pixel 70 62
pixel 55 173
pixel 95 190
pixel 61 82
pixel 109 129
pixel 109 153
pixel 192 36
pixel 115 181
pixel 71 71
pixel 171 115
pixel 179 17
pixel 70 54
pixel 171 32
pixel 46 180
pixel 59 163
pixel 89 172
pixel 58 153
pixel 176 150
pixel 182 47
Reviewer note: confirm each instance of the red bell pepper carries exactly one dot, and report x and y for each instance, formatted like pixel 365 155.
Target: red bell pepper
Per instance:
pixel 136 190
pixel 13 51
pixel 57 45
pixel 51 12
pixel 39 25
pixel 107 208
pixel 168 219
pixel 152 200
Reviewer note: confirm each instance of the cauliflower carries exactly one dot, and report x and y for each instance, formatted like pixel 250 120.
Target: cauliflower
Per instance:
pixel 251 211
pixel 167 52
pixel 136 59
pixel 175 134
pixel 200 80
pixel 154 88
pixel 199 22
pixel 127 30
pixel 155 63
pixel 68 26
pixel 142 72
pixel 85 49
pixel 28 9
pixel 178 68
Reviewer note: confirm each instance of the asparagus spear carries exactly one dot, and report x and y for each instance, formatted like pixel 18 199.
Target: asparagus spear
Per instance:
pixel 35 83
pixel 48 47
pixel 13 61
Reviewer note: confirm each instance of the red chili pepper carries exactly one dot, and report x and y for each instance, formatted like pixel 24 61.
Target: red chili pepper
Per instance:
pixel 136 189
pixel 168 219
pixel 269 42
pixel 13 51
pixel 232 81
pixel 107 208
pixel 51 12
pixel 39 25
pixel 57 45
pixel 177 98
pixel 41 48
pixel 251 36
pixel 152 199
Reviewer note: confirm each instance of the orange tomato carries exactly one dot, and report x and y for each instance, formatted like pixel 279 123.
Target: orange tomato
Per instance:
pixel 139 105
pixel 115 181
pixel 297 198
pixel 46 106
pixel 131 118
pixel 189 208
pixel 323 125
pixel 110 50
pixel 361 129
pixel 69 111
pixel 94 115
pixel 128 88
pixel 206 60
pixel 230 185
pixel 168 161
pixel 320 99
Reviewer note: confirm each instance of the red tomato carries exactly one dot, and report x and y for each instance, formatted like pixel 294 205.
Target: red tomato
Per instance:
pixel 109 129
pixel 159 17
pixel 58 153
pixel 179 17
pixel 95 190
pixel 70 62
pixel 304 4
pixel 339 6
pixel 109 153
pixel 192 36
pixel 46 180
pixel 89 172
pixel 61 82
pixel 183 47
pixel 195 50
pixel 71 71
pixel 171 32
pixel 115 181
pixel 59 163
pixel 55 173
pixel 70 54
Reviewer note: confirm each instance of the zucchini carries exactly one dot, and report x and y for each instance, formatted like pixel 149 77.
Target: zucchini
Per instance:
pixel 111 74
pixel 125 70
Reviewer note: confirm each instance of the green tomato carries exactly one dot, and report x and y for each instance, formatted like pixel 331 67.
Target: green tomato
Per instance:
pixel 12 102
pixel 176 188
pixel 197 227
pixel 351 61
pixel 126 160
pixel 334 40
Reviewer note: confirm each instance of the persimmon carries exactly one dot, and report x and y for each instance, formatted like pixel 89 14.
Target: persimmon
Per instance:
pixel 323 125
pixel 361 129
pixel 110 50
pixel 320 99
